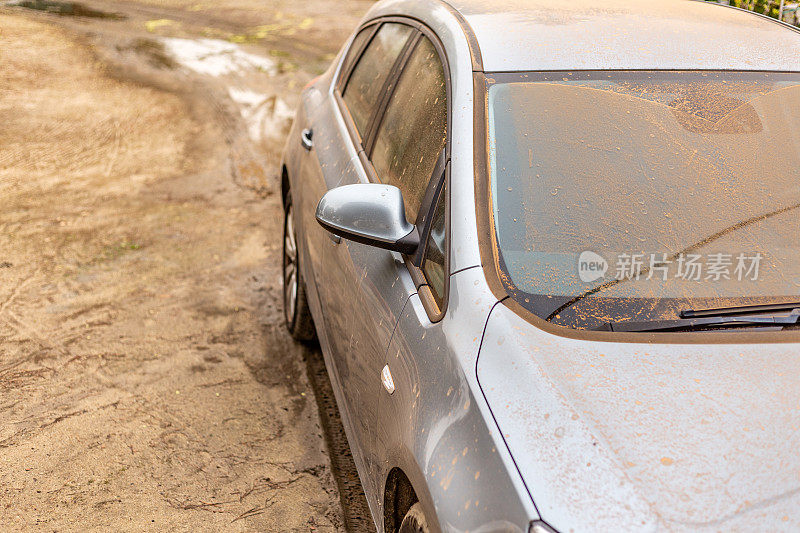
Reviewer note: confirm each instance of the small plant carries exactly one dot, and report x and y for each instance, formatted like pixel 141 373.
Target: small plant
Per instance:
pixel 125 245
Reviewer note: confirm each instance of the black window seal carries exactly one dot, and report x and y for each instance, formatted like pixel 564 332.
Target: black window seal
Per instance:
pixel 435 309
pixel 424 217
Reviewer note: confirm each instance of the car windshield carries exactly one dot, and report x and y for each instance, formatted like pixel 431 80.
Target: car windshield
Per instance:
pixel 633 195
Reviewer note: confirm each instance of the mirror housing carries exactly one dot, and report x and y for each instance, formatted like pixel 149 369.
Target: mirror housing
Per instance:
pixel 369 213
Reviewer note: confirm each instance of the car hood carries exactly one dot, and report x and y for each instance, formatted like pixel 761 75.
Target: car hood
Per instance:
pixel 647 436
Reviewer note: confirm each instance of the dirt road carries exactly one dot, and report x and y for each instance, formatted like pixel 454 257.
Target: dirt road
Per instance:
pixel 146 382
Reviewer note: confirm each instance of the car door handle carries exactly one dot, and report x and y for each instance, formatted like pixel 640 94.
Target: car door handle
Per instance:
pixel 307 139
pixel 335 238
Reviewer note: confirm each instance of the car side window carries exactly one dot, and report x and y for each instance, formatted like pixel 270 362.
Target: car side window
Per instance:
pixel 433 262
pixel 355 47
pixel 413 131
pixel 363 90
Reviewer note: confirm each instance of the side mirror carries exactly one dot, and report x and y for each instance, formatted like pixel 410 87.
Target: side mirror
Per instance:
pixel 369 213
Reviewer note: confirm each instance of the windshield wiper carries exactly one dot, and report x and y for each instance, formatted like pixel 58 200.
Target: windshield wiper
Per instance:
pixel 740 310
pixel 779 320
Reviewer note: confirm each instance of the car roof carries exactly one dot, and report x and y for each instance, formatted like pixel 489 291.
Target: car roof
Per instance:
pixel 522 35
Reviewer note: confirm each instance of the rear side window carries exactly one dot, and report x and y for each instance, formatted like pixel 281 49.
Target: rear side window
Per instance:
pixel 355 47
pixel 364 87
pixel 413 131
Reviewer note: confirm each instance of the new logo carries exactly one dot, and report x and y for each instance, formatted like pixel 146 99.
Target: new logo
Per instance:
pixel 591 267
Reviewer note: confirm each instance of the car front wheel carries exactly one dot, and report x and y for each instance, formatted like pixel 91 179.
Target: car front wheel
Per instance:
pixel 414 521
pixel 295 305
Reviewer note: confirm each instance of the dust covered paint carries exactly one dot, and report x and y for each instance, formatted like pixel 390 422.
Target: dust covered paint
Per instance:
pixel 647 436
pixel 516 35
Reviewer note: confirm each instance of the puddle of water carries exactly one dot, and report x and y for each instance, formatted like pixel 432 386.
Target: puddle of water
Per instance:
pixel 265 116
pixel 67 9
pixel 214 57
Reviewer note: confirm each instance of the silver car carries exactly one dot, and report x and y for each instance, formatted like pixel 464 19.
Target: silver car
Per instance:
pixel 550 251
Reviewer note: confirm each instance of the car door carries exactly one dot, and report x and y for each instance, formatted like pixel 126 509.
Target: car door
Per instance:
pixel 327 161
pixel 344 266
pixel 405 146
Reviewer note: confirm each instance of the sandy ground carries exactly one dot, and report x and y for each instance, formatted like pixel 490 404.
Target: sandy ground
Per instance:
pixel 146 382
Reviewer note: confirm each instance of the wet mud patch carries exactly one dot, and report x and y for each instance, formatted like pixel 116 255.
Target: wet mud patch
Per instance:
pixel 67 9
pixel 153 51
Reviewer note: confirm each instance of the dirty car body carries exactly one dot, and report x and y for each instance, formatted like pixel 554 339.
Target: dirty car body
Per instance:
pixel 478 376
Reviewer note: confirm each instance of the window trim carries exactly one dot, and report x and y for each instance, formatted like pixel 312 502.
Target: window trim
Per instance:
pixel 423 219
pixel 435 312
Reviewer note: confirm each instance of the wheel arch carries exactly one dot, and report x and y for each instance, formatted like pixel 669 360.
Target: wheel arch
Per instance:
pixel 398 497
pixel 404 485
pixel 285 184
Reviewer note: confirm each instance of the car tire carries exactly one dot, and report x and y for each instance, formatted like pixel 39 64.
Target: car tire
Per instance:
pixel 414 521
pixel 296 312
